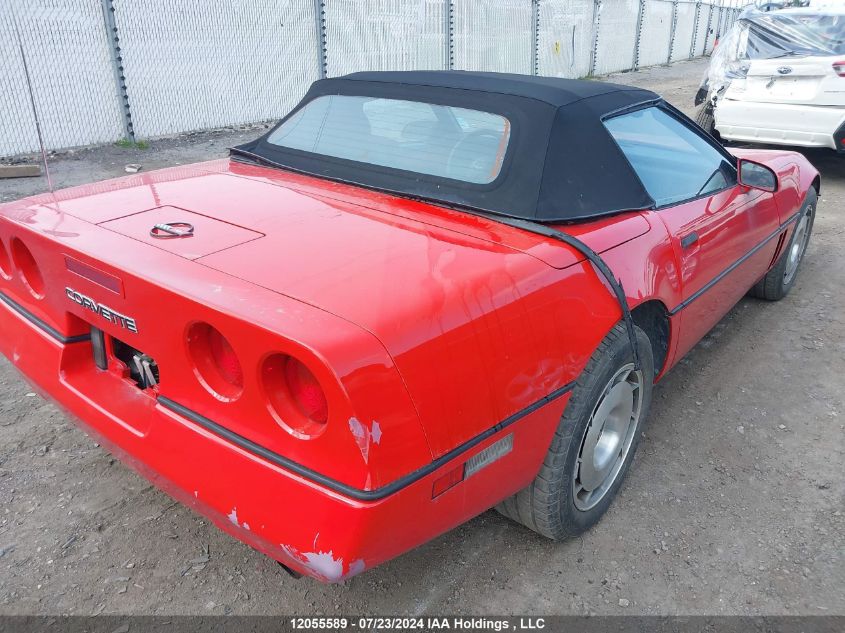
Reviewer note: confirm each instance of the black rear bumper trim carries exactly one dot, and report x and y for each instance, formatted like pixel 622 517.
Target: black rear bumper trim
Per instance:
pixel 40 324
pixel 342 488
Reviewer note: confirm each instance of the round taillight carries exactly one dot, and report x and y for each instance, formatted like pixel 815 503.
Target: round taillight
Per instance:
pixel 307 394
pixel 294 396
pixel 5 262
pixel 216 365
pixel 28 269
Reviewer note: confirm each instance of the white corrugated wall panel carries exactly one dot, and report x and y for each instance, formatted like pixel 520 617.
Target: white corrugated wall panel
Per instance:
pixel 657 28
pixel 385 35
pixel 198 64
pixel 566 37
pixel 72 78
pixel 617 35
pixel 684 29
pixel 493 35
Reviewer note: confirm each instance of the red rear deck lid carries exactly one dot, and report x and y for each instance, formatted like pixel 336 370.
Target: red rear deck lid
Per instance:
pixel 187 234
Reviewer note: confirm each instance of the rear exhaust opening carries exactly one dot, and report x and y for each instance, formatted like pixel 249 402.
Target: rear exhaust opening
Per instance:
pixel 143 369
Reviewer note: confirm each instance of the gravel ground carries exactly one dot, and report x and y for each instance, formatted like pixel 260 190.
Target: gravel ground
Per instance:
pixel 734 504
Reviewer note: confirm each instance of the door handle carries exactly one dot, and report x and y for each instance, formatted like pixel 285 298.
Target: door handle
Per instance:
pixel 689 239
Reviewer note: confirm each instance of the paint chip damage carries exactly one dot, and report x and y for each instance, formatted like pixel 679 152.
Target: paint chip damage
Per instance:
pixel 365 437
pixel 323 565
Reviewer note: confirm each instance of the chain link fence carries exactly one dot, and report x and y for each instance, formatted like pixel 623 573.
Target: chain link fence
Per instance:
pixel 69 62
pixel 105 70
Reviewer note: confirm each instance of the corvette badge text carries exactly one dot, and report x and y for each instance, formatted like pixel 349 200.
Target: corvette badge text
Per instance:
pixel 127 323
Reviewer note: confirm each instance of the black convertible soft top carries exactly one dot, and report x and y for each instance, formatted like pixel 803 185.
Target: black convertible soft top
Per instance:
pixel 561 163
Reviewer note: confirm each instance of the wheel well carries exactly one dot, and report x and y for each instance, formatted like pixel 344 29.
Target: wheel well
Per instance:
pixel 653 319
pixel 817 184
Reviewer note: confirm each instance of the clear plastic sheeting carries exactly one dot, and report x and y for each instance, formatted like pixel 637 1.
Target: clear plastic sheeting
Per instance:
pixel 617 35
pixel 566 38
pixel 713 30
pixel 656 29
pixel 493 35
pixel 384 35
pixel 772 35
pixel 206 63
pixel 72 80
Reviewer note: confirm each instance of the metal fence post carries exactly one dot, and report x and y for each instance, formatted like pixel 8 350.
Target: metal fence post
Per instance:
pixel 110 25
pixel 718 25
pixel 672 30
pixel 449 26
pixel 320 24
pixel 709 27
pixel 594 50
pixel 640 17
pixel 535 32
pixel 695 21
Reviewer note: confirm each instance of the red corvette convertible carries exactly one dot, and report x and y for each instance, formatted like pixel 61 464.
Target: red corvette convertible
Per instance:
pixel 419 296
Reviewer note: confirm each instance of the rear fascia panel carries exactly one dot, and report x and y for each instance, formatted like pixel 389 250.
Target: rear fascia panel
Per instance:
pixel 304 525
pixel 165 294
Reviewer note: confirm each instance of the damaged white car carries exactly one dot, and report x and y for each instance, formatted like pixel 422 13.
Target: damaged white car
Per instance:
pixel 779 77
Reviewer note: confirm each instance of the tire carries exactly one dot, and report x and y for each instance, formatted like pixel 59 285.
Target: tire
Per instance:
pixel 705 117
pixel 554 504
pixel 779 280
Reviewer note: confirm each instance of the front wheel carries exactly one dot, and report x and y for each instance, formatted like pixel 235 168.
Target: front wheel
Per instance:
pixel 779 280
pixel 594 444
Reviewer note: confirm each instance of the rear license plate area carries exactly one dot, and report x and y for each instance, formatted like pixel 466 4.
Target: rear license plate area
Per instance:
pixel 112 353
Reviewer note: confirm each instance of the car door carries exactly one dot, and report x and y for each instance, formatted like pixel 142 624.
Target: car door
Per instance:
pixel 722 232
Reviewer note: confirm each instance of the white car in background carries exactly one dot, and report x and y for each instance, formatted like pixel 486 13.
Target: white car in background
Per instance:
pixel 779 77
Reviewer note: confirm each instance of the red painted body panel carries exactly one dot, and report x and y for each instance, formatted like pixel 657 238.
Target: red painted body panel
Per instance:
pixel 728 225
pixel 426 327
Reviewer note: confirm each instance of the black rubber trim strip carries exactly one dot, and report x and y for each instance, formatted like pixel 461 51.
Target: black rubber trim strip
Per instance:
pixel 732 267
pixel 337 486
pixel 49 329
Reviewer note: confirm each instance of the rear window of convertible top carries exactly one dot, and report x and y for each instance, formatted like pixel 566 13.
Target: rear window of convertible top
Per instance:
pixel 435 140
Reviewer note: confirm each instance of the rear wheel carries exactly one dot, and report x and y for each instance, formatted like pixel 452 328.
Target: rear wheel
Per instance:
pixel 779 280
pixel 594 444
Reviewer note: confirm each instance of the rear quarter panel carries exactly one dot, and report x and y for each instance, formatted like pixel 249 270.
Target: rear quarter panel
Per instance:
pixel 528 330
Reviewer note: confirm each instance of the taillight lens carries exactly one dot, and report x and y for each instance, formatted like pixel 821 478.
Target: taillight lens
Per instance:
pixel 839 67
pixel 5 262
pixel 225 359
pixel 216 364
pixel 295 397
pixel 306 391
pixel 28 269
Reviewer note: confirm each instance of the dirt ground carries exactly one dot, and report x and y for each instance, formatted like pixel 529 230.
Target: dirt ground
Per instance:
pixel 734 505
